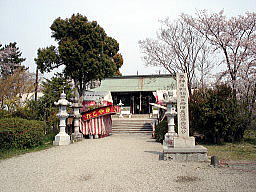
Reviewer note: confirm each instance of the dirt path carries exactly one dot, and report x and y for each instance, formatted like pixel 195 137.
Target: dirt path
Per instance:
pixel 116 163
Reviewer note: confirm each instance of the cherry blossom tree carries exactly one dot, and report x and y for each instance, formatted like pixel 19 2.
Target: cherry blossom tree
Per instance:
pixel 234 38
pixel 13 86
pixel 14 77
pixel 178 48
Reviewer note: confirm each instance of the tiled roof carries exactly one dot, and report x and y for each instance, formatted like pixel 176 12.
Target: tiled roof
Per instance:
pixel 137 83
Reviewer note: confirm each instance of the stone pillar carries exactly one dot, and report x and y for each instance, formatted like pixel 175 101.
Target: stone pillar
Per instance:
pixel 182 147
pixel 183 139
pixel 76 136
pixel 62 138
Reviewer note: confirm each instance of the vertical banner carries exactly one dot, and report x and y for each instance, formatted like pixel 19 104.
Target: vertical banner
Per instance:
pixel 182 105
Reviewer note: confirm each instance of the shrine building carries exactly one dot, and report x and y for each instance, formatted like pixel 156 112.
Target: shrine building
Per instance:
pixel 137 91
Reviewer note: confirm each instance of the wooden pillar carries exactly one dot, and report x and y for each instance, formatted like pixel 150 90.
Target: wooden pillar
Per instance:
pixel 148 105
pixel 133 104
pixel 140 101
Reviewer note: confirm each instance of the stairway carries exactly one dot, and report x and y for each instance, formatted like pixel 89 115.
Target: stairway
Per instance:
pixel 132 125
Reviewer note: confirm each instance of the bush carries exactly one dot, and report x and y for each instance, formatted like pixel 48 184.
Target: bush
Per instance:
pixel 216 114
pixel 21 133
pixel 161 130
pixel 5 114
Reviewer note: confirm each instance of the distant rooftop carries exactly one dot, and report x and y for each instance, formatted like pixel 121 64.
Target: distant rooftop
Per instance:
pixel 137 83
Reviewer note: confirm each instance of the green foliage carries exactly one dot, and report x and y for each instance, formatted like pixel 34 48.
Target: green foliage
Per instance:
pixel 118 59
pixel 21 133
pixel 5 114
pixel 47 143
pixel 160 131
pixel 216 114
pixel 47 59
pixel 44 109
pixel 52 89
pixel 33 110
pixel 83 48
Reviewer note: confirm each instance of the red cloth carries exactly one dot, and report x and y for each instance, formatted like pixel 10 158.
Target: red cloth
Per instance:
pixel 97 126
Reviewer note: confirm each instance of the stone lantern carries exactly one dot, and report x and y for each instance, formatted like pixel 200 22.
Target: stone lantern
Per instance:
pixel 62 138
pixel 76 136
pixel 121 105
pixel 170 100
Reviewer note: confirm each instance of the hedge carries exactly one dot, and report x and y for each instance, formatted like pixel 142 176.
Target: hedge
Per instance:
pixel 160 131
pixel 21 133
pixel 217 115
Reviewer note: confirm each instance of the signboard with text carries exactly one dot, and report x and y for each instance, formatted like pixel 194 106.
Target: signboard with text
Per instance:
pixel 98 112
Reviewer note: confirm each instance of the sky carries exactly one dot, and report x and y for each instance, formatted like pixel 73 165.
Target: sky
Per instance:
pixel 28 22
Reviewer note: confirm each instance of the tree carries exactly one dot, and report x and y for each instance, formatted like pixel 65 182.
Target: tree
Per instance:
pixel 234 37
pixel 43 108
pixel 83 48
pixel 52 89
pixel 214 113
pixel 14 77
pixel 178 48
pixel 13 86
pixel 10 59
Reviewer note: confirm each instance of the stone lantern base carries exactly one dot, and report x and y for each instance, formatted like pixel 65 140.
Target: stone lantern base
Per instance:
pixel 62 139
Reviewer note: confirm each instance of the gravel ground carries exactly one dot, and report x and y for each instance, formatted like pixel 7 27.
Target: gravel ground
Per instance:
pixel 115 163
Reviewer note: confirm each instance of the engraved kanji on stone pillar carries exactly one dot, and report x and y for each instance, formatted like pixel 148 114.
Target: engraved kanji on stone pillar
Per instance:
pixel 182 105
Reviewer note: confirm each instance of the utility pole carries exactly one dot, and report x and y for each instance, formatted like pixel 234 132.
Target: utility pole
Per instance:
pixel 36 84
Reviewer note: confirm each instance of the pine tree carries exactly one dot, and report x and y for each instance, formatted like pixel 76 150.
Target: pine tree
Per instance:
pixel 10 59
pixel 83 48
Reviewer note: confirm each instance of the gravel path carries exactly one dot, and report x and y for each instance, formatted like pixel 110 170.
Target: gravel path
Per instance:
pixel 115 163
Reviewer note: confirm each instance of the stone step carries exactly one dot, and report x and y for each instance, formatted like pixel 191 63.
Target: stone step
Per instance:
pixel 132 116
pixel 138 128
pixel 124 132
pixel 132 119
pixel 131 131
pixel 131 122
pixel 129 126
pixel 132 128
pixel 132 125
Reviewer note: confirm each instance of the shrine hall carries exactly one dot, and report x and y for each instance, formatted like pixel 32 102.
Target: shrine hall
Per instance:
pixel 135 92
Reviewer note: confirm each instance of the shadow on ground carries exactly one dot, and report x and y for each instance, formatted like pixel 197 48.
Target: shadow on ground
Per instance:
pixel 154 152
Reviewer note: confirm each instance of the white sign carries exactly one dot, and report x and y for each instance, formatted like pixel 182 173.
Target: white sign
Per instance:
pixel 94 96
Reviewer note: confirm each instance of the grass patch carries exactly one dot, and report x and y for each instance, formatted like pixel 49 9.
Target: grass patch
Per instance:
pixel 47 143
pixel 244 150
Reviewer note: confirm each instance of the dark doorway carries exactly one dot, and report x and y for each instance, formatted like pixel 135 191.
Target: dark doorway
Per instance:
pixel 137 101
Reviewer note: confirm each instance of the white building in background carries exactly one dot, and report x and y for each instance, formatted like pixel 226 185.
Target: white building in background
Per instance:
pixel 29 96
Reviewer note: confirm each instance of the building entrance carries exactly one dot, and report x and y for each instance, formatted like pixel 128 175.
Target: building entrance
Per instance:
pixel 137 102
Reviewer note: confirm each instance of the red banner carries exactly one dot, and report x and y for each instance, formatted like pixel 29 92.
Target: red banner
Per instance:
pixel 98 112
